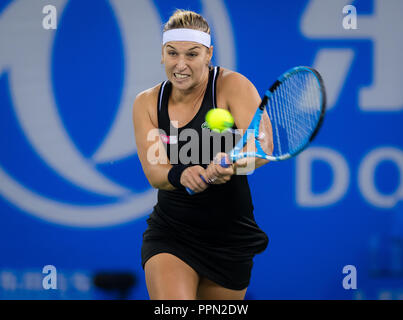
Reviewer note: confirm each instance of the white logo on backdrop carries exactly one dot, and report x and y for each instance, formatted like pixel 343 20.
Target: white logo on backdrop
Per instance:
pixel 323 20
pixel 36 111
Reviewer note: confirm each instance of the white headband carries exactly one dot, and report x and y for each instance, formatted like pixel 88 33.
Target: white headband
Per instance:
pixel 187 35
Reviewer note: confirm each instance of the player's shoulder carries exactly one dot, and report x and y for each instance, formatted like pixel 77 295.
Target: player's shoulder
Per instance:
pixel 146 100
pixel 146 103
pixel 232 80
pixel 148 95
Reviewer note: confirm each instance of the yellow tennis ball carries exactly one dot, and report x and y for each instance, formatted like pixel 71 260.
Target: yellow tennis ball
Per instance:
pixel 219 119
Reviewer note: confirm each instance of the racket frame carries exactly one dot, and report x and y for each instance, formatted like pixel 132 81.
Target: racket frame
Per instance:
pixel 236 153
pixel 253 128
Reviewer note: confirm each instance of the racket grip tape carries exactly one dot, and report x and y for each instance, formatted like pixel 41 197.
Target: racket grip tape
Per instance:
pixel 190 191
pixel 224 164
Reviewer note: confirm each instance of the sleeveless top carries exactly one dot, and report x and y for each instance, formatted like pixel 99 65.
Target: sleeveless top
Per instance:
pixel 222 213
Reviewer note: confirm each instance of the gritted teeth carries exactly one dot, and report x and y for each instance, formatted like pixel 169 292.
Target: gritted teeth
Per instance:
pixel 180 75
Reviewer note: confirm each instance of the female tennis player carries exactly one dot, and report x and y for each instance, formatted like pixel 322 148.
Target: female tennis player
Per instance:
pixel 197 246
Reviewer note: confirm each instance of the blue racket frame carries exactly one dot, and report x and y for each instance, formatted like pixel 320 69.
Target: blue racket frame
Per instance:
pixel 253 128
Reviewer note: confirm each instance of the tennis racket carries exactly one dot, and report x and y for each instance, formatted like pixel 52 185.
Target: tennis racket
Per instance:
pixel 295 105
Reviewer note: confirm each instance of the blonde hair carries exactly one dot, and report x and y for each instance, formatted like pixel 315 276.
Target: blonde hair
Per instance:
pixel 187 19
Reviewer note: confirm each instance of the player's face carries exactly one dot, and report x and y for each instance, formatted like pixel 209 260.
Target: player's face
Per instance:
pixel 185 63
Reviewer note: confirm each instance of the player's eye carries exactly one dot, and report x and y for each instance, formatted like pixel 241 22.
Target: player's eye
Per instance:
pixel 192 54
pixel 172 53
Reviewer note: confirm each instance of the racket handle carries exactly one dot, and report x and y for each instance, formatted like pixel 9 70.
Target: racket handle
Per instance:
pixel 190 191
pixel 224 164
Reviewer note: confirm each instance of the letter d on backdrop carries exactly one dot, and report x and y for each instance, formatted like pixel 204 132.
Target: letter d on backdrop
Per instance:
pixel 305 197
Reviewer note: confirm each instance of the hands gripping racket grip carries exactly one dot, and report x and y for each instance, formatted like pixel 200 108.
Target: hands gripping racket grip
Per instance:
pixel 223 164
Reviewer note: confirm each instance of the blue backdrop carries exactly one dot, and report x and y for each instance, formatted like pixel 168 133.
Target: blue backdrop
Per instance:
pixel 72 191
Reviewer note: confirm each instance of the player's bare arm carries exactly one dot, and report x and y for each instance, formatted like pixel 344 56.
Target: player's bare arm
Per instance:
pixel 155 163
pixel 150 149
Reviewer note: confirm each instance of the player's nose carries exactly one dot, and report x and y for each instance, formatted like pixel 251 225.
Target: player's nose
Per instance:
pixel 181 64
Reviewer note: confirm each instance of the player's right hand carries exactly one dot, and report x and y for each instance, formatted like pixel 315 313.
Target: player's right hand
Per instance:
pixel 192 178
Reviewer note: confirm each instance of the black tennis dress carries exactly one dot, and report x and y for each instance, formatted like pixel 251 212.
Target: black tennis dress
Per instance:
pixel 213 231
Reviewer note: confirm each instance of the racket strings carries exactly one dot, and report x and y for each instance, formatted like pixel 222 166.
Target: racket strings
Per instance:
pixel 265 134
pixel 306 117
pixel 294 109
pixel 305 113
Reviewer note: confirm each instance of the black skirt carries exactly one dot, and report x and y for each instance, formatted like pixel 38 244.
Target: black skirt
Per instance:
pixel 216 255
